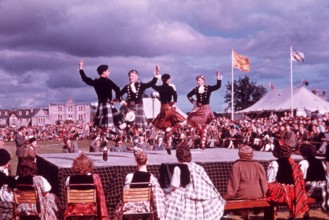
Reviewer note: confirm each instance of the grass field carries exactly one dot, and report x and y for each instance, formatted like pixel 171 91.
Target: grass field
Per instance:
pixel 56 147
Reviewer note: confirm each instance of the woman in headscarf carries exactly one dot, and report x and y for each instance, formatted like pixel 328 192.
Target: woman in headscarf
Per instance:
pixel 193 194
pixel 247 178
pixel 286 183
pixel 201 116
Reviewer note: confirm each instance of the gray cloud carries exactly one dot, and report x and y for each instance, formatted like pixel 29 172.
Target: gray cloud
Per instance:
pixel 42 42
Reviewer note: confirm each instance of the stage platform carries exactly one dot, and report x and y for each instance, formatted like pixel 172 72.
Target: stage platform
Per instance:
pixel 216 161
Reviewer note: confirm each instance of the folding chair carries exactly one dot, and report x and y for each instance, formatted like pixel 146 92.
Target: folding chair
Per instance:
pixel 25 201
pixel 81 200
pixel 138 192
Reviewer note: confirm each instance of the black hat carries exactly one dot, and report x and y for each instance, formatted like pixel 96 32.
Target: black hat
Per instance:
pixel 102 68
pixel 4 157
pixel 165 77
pixel 31 139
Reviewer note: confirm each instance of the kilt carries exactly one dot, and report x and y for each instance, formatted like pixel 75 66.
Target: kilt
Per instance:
pixel 140 120
pixel 107 116
pixel 202 116
pixel 6 210
pixel 168 117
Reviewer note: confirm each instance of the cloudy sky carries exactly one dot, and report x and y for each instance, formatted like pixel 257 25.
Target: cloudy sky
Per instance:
pixel 41 43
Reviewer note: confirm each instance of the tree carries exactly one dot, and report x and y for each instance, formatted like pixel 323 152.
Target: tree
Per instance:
pixel 246 93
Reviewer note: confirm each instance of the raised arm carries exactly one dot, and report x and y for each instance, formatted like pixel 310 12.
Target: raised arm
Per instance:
pixel 84 77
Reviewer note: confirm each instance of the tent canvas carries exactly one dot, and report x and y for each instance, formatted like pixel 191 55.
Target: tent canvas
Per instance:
pixel 280 100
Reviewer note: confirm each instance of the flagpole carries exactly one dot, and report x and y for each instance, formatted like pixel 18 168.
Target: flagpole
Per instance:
pixel 291 89
pixel 232 95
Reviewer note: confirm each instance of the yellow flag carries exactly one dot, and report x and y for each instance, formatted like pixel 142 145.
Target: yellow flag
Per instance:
pixel 241 62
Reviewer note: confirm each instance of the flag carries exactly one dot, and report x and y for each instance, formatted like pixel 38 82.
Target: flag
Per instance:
pixel 241 62
pixel 297 56
pixel 271 86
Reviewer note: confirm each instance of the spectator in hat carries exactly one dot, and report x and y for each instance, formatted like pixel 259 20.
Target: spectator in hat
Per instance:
pixel 168 119
pixel 103 87
pixel 285 181
pixel 247 179
pixel 134 100
pixel 201 115
pixel 314 172
pixel 70 146
pixel 31 149
pixel 98 144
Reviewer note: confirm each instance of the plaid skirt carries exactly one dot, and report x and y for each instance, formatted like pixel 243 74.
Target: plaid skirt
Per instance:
pixel 107 116
pixel 168 117
pixel 140 120
pixel 201 116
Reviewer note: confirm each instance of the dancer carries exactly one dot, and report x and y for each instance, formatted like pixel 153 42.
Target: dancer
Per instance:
pixel 134 100
pixel 201 116
pixel 168 119
pixel 103 87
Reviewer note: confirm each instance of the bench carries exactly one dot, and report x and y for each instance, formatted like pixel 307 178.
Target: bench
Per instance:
pixel 269 208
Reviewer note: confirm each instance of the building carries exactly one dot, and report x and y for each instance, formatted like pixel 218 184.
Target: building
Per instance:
pixel 55 114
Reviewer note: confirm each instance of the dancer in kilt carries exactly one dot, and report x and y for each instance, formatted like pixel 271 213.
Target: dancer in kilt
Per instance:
pixel 103 87
pixel 201 116
pixel 134 100
pixel 168 119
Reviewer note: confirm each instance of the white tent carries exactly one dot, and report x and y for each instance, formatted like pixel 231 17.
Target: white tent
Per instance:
pixel 152 108
pixel 280 100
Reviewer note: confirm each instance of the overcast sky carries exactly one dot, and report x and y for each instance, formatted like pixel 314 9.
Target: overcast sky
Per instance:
pixel 41 43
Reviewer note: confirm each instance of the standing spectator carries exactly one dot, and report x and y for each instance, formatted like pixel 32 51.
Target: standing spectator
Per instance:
pixel 290 138
pixel 70 146
pixel 193 195
pixel 20 141
pixel 247 179
pixel 134 101
pixel 201 116
pixel 103 87
pixel 286 182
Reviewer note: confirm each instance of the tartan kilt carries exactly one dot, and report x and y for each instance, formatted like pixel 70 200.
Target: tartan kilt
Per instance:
pixel 202 116
pixel 168 117
pixel 108 116
pixel 140 120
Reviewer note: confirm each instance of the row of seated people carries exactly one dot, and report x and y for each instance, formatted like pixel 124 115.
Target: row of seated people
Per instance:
pixel 191 194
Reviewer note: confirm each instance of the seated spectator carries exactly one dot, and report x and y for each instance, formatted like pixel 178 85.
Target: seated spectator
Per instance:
pixel 48 201
pixel 70 146
pixel 119 147
pixel 98 144
pixel 31 149
pixel 247 179
pixel 82 167
pixel 314 172
pixel 6 195
pixel 160 145
pixel 142 144
pixel 193 195
pixel 286 182
pixel 142 175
